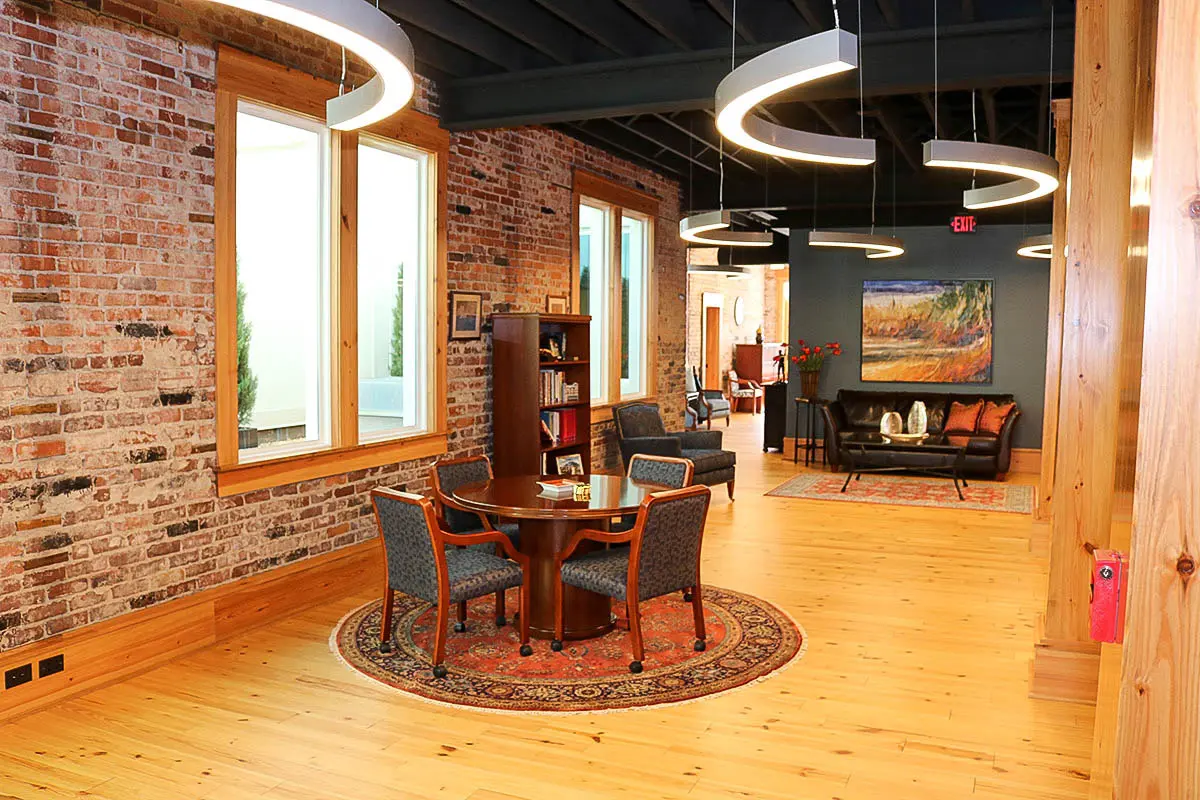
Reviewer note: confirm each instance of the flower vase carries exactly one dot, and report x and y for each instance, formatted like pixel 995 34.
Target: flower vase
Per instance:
pixel 810 383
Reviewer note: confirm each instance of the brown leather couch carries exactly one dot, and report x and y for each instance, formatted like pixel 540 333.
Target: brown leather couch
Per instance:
pixel 861 411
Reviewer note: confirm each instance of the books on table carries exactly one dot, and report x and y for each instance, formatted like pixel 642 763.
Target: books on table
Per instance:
pixel 558 488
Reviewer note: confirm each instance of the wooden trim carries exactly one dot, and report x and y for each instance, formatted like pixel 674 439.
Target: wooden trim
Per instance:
pixel 1026 460
pixel 609 191
pixel 323 464
pixel 1054 329
pixel 225 277
pixel 243 75
pixel 1067 671
pixel 119 648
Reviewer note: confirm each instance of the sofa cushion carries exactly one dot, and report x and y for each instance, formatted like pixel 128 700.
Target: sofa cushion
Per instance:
pixel 964 418
pixel 639 420
pixel 994 416
pixel 866 409
pixel 710 460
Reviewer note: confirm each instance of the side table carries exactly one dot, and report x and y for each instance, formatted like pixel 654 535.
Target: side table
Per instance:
pixel 812 406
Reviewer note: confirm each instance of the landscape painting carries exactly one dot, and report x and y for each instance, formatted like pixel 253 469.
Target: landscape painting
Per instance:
pixel 918 331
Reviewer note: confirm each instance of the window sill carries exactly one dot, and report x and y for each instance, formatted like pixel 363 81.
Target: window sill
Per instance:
pixel 242 478
pixel 608 405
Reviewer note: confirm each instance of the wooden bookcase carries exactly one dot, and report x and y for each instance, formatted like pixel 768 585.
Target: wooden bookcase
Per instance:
pixel 517 404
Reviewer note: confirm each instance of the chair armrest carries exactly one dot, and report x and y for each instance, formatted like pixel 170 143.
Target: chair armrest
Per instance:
pixel 652 445
pixel 468 539
pixel 592 535
pixel 699 440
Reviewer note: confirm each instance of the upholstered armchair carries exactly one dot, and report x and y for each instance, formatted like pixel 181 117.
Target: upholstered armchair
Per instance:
pixel 447 476
pixel 640 429
pixel 663 558
pixel 440 567
pixel 741 389
pixel 706 404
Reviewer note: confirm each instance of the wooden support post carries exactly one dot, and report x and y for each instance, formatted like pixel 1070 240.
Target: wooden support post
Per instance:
pixel 1100 304
pixel 1158 733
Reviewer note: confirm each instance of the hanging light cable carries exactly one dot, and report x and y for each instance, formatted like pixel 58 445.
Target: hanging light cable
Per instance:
pixel 1036 173
pixel 1043 246
pixel 712 227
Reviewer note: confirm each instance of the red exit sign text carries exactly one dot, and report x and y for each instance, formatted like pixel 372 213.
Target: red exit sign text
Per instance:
pixel 963 223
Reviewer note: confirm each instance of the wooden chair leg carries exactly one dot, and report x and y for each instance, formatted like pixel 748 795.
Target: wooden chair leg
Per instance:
pixel 698 614
pixel 460 625
pixel 385 625
pixel 729 488
pixel 501 620
pixel 556 644
pixel 635 632
pixel 728 420
pixel 523 604
pixel 439 637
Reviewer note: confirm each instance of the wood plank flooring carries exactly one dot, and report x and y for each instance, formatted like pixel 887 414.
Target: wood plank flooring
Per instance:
pixel 921 625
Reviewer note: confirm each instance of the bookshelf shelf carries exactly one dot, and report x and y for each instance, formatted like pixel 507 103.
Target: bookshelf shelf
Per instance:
pixel 525 383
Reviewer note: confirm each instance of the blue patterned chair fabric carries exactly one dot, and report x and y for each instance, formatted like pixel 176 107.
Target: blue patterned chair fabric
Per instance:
pixel 412 564
pixel 452 475
pixel 672 474
pixel 667 559
pixel 713 466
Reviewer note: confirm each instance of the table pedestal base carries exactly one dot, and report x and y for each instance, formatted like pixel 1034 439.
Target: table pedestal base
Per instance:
pixel 585 614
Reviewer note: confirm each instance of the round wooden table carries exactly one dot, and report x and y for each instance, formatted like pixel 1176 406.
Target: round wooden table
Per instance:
pixel 546 527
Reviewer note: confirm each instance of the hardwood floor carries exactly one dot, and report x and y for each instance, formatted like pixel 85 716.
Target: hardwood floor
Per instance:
pixel 921 625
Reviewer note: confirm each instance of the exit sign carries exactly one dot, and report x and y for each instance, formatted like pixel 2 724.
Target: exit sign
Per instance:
pixel 963 223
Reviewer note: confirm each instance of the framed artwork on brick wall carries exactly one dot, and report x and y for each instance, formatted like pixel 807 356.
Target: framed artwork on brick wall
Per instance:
pixel 466 315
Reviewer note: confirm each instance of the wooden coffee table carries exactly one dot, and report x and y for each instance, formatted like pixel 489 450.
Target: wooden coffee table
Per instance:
pixel 940 456
pixel 546 527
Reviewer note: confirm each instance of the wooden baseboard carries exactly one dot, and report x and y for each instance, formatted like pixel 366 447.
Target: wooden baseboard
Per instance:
pixel 1026 459
pixel 1065 670
pixel 119 648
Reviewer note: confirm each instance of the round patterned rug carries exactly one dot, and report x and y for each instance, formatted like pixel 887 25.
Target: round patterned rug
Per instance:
pixel 748 639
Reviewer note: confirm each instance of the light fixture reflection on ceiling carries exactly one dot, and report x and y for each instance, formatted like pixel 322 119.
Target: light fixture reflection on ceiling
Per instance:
pixel 711 227
pixel 1037 247
pixel 1036 173
pixel 761 78
pixel 367 32
pixel 874 245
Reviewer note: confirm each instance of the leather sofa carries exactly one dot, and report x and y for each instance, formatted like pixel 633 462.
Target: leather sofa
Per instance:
pixel 857 411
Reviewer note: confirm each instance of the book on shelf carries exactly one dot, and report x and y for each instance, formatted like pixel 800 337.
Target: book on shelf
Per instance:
pixel 571 393
pixel 559 426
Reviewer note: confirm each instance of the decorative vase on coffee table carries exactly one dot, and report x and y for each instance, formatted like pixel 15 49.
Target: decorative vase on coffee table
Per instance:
pixel 810 383
pixel 891 423
pixel 918 418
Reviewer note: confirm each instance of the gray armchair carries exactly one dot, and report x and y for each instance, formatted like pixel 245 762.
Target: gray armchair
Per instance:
pixel 640 429
pixel 705 405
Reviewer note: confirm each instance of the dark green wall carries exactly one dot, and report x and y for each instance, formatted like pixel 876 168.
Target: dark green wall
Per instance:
pixel 826 305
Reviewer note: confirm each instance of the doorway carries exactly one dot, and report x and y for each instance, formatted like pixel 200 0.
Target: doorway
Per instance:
pixel 712 347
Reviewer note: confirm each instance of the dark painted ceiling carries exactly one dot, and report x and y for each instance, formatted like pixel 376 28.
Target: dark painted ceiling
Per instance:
pixel 637 77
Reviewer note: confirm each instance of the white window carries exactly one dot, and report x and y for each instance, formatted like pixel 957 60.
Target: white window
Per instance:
pixel 635 285
pixel 595 238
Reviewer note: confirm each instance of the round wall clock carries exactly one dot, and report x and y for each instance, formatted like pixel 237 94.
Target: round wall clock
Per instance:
pixel 739 311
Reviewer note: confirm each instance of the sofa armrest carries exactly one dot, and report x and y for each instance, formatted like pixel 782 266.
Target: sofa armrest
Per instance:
pixel 1004 457
pixel 699 440
pixel 650 446
pixel 835 420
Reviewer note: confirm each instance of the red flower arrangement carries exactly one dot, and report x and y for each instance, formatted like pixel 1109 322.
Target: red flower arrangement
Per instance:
pixel 810 358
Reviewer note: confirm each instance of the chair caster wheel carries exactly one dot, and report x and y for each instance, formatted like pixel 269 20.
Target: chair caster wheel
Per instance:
pixel 526 650
pixel 700 646
pixel 556 646
pixel 385 648
pixel 439 671
pixel 635 667
pixel 501 622
pixel 460 627
pixel 687 597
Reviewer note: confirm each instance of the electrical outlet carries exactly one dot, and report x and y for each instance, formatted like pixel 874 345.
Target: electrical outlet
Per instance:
pixel 18 675
pixel 50 666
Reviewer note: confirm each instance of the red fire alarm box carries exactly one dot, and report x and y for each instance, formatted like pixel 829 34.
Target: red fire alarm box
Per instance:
pixel 1110 574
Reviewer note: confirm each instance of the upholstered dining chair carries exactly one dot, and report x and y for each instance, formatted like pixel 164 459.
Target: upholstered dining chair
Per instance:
pixel 671 473
pixel 745 389
pixel 447 475
pixel 440 567
pixel 663 557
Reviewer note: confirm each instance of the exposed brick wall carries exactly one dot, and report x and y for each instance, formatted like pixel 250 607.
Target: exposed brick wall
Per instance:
pixel 752 289
pixel 107 416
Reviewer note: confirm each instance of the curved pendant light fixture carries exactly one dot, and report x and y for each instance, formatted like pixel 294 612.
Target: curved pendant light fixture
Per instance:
pixel 875 245
pixel 367 32
pixel 775 71
pixel 1037 247
pixel 711 228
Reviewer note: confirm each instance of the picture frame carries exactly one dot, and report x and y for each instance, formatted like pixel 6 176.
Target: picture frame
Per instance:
pixel 557 304
pixel 571 464
pixel 466 316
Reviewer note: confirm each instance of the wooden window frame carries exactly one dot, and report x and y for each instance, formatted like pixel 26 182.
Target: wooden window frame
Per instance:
pixel 618 199
pixel 243 76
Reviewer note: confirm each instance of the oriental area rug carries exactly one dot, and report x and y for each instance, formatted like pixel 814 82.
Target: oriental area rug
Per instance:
pixel 748 640
pixel 908 491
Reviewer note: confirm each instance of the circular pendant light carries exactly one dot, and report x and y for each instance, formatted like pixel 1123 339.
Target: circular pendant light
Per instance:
pixel 874 245
pixel 711 228
pixel 761 78
pixel 1036 173
pixel 367 32
pixel 1037 247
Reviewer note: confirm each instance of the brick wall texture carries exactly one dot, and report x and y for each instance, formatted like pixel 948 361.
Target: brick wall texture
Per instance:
pixel 757 291
pixel 107 416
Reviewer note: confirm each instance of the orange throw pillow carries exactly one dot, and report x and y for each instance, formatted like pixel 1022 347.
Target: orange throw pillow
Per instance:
pixel 963 419
pixel 994 416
